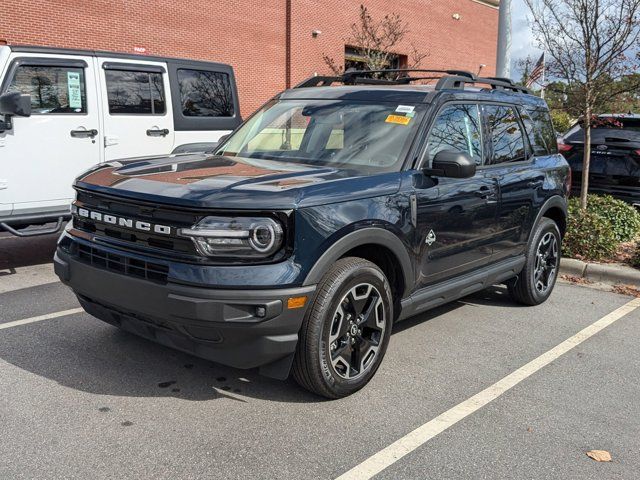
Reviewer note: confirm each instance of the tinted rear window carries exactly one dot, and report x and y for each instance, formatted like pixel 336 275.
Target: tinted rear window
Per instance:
pixel 604 127
pixel 205 94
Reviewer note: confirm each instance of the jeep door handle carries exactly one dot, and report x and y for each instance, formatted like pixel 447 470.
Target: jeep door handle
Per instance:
pixel 84 133
pixel 158 132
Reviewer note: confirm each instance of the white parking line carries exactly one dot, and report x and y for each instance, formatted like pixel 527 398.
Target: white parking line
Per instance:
pixel 40 318
pixel 405 445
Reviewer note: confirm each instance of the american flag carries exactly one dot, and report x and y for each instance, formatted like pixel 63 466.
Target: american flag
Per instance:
pixel 537 73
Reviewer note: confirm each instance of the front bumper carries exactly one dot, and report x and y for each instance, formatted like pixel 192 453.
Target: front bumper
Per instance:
pixel 239 328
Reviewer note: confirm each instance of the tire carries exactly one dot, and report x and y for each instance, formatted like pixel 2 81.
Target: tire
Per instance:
pixel 533 286
pixel 345 333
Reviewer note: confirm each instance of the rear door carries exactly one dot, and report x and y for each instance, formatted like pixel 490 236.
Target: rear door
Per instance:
pixel 42 154
pixel 510 163
pixel 138 118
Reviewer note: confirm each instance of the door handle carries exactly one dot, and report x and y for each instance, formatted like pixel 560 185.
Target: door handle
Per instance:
pixel 84 133
pixel 158 132
pixel 535 184
pixel 487 193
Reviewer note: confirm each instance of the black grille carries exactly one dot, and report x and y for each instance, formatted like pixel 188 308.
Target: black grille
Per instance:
pixel 122 264
pixel 152 214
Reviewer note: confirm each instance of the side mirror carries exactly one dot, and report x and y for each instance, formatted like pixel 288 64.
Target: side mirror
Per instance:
pixel 452 164
pixel 13 104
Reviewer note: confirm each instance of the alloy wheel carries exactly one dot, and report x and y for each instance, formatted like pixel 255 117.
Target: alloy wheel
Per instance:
pixel 357 330
pixel 546 262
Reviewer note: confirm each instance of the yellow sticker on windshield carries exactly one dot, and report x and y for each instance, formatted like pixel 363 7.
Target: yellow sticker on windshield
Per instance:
pixel 398 119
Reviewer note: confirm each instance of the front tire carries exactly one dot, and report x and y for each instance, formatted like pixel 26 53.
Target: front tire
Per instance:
pixel 346 331
pixel 535 282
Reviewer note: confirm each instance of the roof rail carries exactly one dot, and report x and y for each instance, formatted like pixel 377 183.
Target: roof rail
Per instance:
pixel 450 79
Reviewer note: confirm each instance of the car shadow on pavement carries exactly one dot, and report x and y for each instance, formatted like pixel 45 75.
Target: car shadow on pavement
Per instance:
pixel 84 354
pixel 18 252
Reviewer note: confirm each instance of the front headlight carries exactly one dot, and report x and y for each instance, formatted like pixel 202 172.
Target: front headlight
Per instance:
pixel 236 236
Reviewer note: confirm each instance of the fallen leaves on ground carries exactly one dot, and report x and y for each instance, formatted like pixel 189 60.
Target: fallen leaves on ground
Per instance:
pixel 599 455
pixel 575 279
pixel 629 290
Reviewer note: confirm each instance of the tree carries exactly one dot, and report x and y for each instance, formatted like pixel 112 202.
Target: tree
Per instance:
pixel 591 46
pixel 375 40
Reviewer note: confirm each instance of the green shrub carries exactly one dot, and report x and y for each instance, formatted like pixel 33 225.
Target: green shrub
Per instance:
pixel 624 219
pixel 561 120
pixel 589 235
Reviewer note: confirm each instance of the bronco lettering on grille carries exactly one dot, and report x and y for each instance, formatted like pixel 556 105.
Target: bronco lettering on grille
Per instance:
pixel 121 221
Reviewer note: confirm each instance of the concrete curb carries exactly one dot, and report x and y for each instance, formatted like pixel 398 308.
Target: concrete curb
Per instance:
pixel 611 273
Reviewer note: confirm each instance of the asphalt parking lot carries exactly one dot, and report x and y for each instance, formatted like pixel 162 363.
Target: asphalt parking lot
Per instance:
pixel 81 399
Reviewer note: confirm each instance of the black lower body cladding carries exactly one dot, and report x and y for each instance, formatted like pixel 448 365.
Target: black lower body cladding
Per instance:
pixel 239 328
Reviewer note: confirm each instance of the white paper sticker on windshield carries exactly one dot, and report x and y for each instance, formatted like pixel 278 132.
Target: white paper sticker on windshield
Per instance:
pixel 405 108
pixel 73 87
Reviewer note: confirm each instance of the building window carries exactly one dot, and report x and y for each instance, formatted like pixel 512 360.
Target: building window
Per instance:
pixel 53 90
pixel 205 93
pixel 354 59
pixel 135 93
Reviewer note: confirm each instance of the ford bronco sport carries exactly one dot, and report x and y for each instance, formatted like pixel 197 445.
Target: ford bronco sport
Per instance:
pixel 330 214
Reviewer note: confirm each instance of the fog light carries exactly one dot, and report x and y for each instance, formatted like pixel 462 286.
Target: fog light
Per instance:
pixel 261 312
pixel 296 302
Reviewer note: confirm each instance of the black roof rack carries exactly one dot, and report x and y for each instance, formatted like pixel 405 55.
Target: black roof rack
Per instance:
pixel 450 79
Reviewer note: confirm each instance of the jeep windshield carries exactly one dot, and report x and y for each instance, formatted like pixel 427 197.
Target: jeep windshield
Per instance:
pixel 361 136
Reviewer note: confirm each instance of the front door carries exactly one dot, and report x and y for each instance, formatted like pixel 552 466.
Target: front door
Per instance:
pixel 456 218
pixel 42 154
pixel 138 115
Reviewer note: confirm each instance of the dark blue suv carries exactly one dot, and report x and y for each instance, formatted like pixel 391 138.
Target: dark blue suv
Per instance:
pixel 330 214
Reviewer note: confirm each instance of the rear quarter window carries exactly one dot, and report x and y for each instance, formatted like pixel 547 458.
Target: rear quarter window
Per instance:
pixel 542 135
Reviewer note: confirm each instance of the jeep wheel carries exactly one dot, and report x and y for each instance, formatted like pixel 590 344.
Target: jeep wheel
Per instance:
pixel 536 281
pixel 345 333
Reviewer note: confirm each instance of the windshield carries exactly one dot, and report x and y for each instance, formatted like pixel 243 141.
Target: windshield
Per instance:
pixel 366 137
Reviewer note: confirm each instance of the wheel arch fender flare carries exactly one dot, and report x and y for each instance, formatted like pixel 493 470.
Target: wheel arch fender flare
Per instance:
pixel 365 236
pixel 553 202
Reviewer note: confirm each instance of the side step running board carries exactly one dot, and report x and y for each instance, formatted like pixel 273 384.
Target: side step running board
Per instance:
pixel 34 232
pixel 450 290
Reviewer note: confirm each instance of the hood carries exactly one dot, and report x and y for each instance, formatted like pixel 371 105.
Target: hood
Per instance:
pixel 211 181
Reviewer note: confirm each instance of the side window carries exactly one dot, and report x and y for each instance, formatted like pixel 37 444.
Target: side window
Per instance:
pixel 205 94
pixel 53 90
pixel 135 93
pixel 540 129
pixel 507 137
pixel 457 127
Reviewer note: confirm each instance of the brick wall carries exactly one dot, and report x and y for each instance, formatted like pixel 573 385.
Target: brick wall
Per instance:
pixel 250 34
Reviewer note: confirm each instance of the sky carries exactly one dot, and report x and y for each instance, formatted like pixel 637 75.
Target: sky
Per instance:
pixel 522 41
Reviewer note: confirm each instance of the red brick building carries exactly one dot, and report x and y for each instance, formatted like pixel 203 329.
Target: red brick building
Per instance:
pixel 270 43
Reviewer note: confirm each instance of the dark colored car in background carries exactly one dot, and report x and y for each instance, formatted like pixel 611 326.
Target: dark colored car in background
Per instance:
pixel 330 214
pixel 615 156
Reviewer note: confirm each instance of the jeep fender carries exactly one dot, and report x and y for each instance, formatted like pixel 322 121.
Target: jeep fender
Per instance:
pixel 366 236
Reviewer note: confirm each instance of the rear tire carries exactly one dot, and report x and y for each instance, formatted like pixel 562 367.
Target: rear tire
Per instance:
pixel 346 331
pixel 535 282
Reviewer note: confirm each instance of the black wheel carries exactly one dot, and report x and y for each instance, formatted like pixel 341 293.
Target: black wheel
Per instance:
pixel 345 333
pixel 535 282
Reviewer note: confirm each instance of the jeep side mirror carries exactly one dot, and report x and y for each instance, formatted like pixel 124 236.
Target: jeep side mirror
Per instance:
pixel 452 164
pixel 13 104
